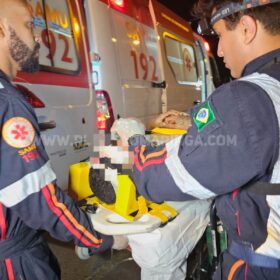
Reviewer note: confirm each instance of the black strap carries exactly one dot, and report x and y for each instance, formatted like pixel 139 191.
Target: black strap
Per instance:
pixel 251 257
pixel 264 188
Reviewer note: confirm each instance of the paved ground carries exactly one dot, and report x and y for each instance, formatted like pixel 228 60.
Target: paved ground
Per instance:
pixel 119 265
pixel 107 266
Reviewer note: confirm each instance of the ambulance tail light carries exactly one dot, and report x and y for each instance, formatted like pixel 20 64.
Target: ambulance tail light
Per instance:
pixel 32 99
pixel 104 113
pixel 207 46
pixel 118 4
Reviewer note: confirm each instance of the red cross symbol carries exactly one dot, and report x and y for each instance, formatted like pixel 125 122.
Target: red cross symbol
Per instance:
pixel 20 132
pixel 188 63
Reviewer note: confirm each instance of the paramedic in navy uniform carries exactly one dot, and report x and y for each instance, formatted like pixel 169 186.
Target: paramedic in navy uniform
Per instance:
pixel 233 141
pixel 29 197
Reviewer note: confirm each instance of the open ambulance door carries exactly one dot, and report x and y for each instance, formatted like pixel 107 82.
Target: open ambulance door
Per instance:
pixel 123 36
pixel 180 63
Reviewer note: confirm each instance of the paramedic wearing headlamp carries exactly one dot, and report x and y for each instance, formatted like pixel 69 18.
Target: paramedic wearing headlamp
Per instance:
pixel 246 113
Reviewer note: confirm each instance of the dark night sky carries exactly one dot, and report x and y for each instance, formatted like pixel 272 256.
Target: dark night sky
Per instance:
pixel 180 7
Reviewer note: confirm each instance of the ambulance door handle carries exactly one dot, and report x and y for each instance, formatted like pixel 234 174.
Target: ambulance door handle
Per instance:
pixel 47 125
pixel 159 85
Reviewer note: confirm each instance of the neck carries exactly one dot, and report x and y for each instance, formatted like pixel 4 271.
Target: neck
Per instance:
pixel 263 43
pixel 261 48
pixel 8 69
pixel 269 44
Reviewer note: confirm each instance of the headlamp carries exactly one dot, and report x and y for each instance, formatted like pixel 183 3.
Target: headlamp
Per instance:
pixel 205 26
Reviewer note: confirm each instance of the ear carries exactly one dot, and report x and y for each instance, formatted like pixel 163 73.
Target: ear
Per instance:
pixel 3 27
pixel 249 28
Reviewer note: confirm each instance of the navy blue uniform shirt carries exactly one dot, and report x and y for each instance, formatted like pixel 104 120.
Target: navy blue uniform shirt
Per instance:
pixel 29 196
pixel 232 142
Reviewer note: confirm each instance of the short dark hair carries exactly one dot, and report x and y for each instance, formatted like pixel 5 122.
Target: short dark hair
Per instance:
pixel 267 15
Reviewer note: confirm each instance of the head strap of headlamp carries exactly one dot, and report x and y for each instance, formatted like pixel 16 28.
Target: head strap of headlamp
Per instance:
pixel 232 8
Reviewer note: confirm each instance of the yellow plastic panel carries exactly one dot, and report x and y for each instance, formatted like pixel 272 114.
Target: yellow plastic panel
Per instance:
pixel 169 131
pixel 126 202
pixel 79 180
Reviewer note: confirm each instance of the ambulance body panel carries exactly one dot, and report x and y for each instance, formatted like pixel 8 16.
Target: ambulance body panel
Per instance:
pixel 148 58
pixel 126 42
pixel 126 48
pixel 63 84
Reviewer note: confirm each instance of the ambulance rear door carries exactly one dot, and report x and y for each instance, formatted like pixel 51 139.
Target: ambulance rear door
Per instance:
pixel 207 66
pixel 180 63
pixel 122 34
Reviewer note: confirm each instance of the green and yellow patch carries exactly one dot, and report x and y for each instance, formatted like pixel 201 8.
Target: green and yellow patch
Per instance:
pixel 204 116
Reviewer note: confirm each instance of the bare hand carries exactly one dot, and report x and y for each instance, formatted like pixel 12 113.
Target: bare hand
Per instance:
pixel 172 119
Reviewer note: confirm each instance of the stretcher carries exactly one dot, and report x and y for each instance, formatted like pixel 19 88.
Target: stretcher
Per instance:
pixel 128 213
pixel 161 236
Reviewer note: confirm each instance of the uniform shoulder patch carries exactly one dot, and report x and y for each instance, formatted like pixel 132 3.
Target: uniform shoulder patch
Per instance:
pixel 204 116
pixel 18 132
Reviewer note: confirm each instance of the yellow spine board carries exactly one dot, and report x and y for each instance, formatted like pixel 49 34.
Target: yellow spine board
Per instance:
pixel 79 180
pixel 127 204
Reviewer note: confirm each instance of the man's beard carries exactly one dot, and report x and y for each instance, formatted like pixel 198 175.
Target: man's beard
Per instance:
pixel 26 58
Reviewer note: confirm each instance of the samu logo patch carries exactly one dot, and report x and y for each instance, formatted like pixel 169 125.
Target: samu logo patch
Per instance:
pixel 18 132
pixel 204 116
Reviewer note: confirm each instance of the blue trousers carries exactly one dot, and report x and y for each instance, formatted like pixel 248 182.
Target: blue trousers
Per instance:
pixel 231 268
pixel 27 257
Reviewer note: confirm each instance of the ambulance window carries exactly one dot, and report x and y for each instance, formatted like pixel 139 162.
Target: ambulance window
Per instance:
pixel 182 60
pixel 53 24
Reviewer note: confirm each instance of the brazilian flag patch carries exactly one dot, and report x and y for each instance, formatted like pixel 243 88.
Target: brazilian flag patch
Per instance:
pixel 204 116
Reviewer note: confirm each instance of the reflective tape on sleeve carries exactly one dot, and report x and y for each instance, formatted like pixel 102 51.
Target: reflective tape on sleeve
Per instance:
pixel 26 186
pixel 183 179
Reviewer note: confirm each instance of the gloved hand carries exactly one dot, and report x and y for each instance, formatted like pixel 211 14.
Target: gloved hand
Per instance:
pixel 125 128
pixel 83 253
pixel 120 242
